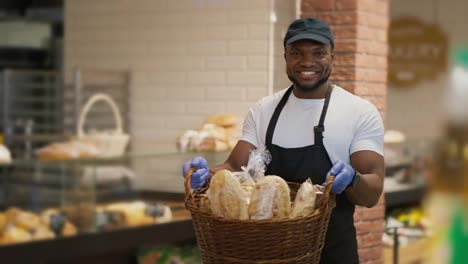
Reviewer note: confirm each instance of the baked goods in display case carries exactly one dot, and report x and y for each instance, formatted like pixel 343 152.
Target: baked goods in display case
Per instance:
pixel 17 225
pixel 90 144
pixel 5 155
pixel 217 133
pixel 136 213
pixel 67 151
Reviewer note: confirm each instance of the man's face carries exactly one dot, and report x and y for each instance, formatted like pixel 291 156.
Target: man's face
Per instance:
pixel 308 64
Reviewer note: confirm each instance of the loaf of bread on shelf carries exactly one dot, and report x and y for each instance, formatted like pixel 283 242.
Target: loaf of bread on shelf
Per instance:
pixel 57 151
pixel 226 196
pixel 270 199
pixel 68 150
pixel 304 203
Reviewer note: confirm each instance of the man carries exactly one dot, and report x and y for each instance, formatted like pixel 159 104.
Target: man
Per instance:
pixel 315 129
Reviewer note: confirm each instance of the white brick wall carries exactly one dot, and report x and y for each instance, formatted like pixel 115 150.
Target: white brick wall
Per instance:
pixel 189 59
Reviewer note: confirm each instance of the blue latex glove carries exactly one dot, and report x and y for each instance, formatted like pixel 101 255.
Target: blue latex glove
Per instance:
pixel 200 175
pixel 344 175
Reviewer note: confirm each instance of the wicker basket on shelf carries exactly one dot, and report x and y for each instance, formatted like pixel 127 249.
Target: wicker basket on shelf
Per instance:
pixel 110 143
pixel 278 241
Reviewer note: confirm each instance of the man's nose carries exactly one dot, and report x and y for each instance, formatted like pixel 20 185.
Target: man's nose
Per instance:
pixel 308 59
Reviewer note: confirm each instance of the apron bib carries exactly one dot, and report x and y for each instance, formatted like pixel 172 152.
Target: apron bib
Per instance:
pixel 298 164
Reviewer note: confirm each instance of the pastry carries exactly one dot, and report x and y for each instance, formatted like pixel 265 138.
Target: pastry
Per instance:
pixel 27 220
pixel 11 214
pixel 304 202
pixel 42 232
pixel 14 234
pixel 57 151
pixel 68 150
pixel 226 196
pixel 46 215
pixel 134 212
pixel 270 199
pixel 161 212
pixel 69 229
pixel 223 120
pixel 3 221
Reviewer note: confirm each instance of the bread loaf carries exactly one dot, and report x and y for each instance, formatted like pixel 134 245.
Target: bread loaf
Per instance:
pixel 226 196
pixel 304 202
pixel 270 199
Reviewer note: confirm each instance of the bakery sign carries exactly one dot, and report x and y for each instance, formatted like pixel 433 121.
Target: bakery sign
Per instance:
pixel 417 51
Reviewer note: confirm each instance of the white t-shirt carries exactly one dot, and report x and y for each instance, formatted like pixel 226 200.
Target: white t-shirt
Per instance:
pixel 352 124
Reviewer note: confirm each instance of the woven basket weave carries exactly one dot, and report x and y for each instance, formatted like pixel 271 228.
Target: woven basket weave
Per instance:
pixel 298 240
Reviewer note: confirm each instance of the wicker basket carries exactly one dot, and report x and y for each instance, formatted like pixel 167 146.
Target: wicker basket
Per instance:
pixel 109 143
pixel 298 240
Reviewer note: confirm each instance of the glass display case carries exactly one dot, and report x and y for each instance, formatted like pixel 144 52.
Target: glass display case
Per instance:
pixel 138 197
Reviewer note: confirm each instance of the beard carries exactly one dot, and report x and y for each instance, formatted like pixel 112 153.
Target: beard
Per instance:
pixel 313 87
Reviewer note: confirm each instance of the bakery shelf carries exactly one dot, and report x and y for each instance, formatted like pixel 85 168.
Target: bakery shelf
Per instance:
pixel 96 247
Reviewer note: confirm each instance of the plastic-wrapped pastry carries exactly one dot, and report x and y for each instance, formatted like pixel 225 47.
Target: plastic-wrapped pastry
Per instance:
pixel 270 199
pixel 227 197
pixel 304 202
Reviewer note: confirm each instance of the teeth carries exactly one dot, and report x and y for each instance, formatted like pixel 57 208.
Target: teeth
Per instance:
pixel 308 73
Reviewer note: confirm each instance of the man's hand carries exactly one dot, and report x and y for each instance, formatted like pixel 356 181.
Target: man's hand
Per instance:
pixel 200 175
pixel 344 175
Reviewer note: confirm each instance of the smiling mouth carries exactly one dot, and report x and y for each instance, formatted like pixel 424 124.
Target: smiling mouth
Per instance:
pixel 307 74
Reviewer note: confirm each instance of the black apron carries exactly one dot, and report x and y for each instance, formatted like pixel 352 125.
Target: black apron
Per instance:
pixel 298 164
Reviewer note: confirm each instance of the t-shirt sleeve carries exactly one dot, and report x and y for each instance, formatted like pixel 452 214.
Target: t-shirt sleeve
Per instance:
pixel 369 133
pixel 249 128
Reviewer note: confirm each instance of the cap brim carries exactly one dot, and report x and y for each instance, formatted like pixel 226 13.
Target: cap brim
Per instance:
pixel 310 36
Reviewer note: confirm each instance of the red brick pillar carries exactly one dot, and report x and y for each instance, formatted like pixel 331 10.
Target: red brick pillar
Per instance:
pixel 360 66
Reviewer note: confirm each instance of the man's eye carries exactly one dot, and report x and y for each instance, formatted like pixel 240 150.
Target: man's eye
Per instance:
pixel 320 54
pixel 294 53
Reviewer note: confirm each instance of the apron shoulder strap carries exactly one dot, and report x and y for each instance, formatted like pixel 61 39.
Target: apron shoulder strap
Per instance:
pixel 320 128
pixel 275 117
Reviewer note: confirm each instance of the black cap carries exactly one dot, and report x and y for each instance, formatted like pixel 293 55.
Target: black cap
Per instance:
pixel 309 28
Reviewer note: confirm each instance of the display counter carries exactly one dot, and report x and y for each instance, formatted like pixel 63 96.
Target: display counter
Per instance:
pixel 116 246
pixel 109 219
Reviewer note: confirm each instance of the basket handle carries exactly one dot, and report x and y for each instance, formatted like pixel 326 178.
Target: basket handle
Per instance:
pixel 189 196
pixel 91 101
pixel 326 192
